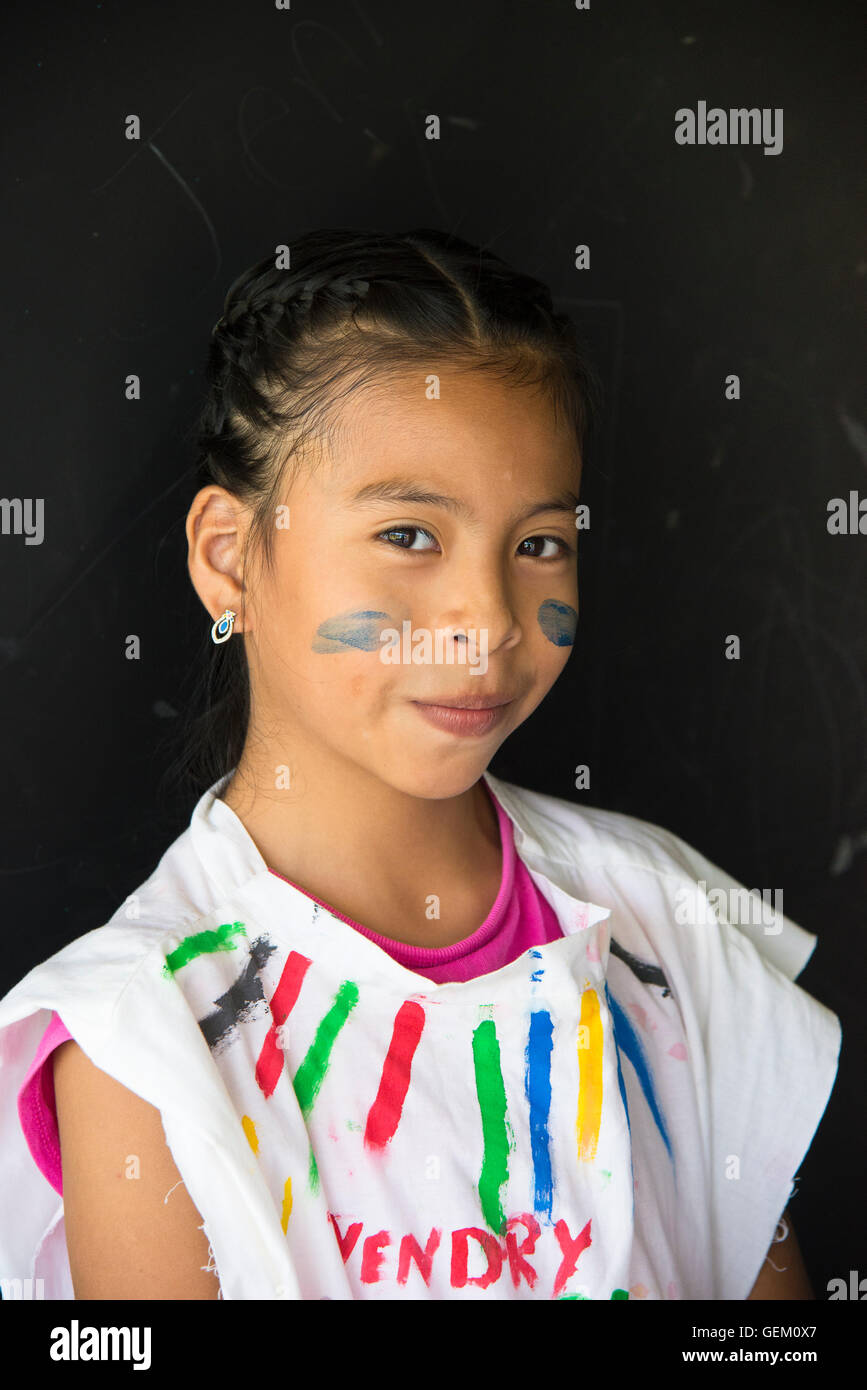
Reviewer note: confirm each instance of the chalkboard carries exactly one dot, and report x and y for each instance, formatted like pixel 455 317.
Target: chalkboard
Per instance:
pixel 709 512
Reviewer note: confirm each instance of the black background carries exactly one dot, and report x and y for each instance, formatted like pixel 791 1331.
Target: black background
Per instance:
pixel 708 516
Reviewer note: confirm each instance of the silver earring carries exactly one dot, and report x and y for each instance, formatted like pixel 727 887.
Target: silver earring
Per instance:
pixel 222 628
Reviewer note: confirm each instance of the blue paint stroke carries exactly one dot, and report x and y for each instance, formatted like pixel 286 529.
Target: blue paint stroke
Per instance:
pixel 359 629
pixel 537 1088
pixel 626 1038
pixel 558 622
pixel 611 1006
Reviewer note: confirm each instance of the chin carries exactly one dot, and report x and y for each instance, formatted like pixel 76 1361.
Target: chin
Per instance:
pixel 436 779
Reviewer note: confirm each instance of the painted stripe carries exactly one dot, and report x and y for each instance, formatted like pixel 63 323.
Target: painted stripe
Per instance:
pixel 287 1205
pixel 250 1131
pixel 590 1073
pixel 312 1071
pixel 492 1104
pixel 620 1082
pixel 628 1040
pixel 270 1064
pixel 537 1087
pixel 385 1112
pixel 203 943
pixel 241 998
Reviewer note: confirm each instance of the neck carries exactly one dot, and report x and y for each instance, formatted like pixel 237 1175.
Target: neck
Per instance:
pixel 373 852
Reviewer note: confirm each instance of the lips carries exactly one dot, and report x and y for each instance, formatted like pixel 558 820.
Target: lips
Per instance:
pixel 461 719
pixel 474 701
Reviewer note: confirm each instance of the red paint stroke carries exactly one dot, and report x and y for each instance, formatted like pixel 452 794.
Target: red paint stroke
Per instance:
pixel 347 1243
pixel 270 1063
pixel 518 1266
pixel 384 1115
pixel 371 1257
pixel 572 1247
pixel 411 1250
pixel 460 1255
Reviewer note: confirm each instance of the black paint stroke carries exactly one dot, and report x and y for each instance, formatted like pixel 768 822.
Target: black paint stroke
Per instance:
pixel 240 999
pixel 648 974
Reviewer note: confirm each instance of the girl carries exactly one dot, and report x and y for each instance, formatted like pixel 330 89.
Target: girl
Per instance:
pixel 381 1025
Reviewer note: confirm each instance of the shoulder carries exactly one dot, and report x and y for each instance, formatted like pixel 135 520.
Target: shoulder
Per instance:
pixel 656 883
pixel 132 1230
pixel 569 831
pixel 179 897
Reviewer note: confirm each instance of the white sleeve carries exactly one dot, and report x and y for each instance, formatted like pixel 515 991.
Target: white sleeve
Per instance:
pixel 765 1054
pixel 762 920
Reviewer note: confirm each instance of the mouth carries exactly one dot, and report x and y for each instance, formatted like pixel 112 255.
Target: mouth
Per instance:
pixel 467 715
pixel 473 701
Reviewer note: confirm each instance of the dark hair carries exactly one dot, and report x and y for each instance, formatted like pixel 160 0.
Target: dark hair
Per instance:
pixel 355 308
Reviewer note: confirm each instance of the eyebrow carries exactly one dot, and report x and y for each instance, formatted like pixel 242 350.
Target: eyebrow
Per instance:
pixel 409 492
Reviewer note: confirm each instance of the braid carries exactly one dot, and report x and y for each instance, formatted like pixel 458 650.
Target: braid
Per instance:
pixel 264 306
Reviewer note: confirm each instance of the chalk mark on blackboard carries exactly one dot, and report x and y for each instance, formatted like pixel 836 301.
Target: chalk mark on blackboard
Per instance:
pixel 13 648
pixel 374 34
pixel 135 154
pixel 854 432
pixel 310 84
pixel 245 137
pixel 194 200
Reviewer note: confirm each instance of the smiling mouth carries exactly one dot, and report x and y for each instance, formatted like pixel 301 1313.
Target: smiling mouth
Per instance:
pixel 464 721
pixel 468 702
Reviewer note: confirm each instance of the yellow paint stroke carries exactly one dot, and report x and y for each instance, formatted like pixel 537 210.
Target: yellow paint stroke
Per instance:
pixel 287 1205
pixel 590 1072
pixel 250 1131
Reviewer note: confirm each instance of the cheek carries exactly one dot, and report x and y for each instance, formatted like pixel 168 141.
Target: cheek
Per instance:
pixel 558 622
pixel 353 630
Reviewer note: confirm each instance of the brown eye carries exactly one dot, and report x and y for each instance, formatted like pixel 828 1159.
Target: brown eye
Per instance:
pixel 541 540
pixel 404 531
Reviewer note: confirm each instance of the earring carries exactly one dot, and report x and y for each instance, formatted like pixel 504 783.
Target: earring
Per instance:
pixel 223 626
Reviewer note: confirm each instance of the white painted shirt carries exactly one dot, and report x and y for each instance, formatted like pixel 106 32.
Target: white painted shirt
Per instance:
pixel 619 1113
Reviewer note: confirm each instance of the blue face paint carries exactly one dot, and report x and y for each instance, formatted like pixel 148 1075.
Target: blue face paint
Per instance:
pixel 358 629
pixel 558 622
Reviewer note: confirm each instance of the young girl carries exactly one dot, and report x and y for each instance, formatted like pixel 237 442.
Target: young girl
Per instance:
pixel 379 1024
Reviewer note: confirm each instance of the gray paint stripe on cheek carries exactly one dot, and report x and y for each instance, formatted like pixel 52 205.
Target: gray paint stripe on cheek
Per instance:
pixel 359 629
pixel 558 621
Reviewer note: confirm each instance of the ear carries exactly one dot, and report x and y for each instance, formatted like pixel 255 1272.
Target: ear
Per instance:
pixel 216 529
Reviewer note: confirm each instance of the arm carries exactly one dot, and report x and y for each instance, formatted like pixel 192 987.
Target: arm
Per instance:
pixel 123 1238
pixel 792 1281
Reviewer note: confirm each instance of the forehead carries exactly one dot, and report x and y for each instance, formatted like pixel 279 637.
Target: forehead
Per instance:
pixel 476 428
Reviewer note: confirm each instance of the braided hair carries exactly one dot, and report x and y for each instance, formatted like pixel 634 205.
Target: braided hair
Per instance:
pixel 292 344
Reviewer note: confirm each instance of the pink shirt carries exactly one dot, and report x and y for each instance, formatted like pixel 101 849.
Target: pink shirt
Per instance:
pixel 520 917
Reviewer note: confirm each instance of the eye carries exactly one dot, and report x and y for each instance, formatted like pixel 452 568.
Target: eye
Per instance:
pixel 555 540
pixel 404 531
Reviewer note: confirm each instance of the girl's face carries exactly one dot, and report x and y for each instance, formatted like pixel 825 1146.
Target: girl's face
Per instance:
pixel 429 559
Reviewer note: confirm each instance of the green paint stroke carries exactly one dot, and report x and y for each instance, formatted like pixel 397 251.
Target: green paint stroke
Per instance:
pixel 617 1293
pixel 311 1073
pixel 492 1104
pixel 201 944
pixel 313 1174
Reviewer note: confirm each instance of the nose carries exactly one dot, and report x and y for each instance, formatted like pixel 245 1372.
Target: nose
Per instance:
pixel 478 597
